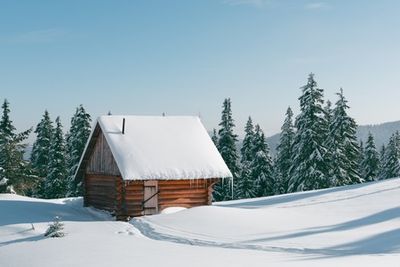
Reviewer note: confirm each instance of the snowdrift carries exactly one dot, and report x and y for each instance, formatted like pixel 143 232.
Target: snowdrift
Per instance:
pixel 346 226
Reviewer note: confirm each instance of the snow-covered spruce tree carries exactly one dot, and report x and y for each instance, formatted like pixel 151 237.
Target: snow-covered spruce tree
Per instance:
pixel 261 165
pixel 391 168
pixel 382 162
pixel 370 163
pixel 3 181
pixel 55 229
pixel 76 142
pixel 56 180
pixel 309 167
pixel 361 154
pixel 329 139
pixel 40 150
pixel 284 154
pixel 227 148
pixel 248 142
pixel 344 145
pixel 15 170
pixel 245 185
pixel 214 137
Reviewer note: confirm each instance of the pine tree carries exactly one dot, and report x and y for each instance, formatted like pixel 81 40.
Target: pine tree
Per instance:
pixel 227 148
pixel 392 157
pixel 76 142
pixel 3 181
pixel 309 168
pixel 284 153
pixel 361 155
pixel 328 113
pixel 370 163
pixel 245 185
pixel 344 145
pixel 248 140
pixel 56 180
pixel 15 171
pixel 214 137
pixel 329 139
pixel 261 166
pixel 382 162
pixel 41 148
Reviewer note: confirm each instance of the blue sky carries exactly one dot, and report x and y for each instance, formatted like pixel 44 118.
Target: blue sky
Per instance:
pixel 184 57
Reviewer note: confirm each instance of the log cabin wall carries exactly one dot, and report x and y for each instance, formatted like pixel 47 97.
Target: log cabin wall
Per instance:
pixel 132 204
pixel 102 160
pixel 184 193
pixel 172 193
pixel 103 192
pixel 103 182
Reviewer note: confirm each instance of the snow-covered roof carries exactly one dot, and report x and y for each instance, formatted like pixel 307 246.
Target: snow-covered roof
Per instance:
pixel 162 147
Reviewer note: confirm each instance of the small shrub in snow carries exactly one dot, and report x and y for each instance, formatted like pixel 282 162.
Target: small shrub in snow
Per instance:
pixel 55 229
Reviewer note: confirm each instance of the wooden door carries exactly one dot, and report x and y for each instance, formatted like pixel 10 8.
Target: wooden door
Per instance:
pixel 150 198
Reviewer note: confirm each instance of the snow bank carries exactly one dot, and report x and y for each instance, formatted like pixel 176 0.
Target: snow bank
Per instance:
pixel 347 226
pixel 352 220
pixel 171 210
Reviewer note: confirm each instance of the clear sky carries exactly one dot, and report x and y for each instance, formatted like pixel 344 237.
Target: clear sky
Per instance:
pixel 184 57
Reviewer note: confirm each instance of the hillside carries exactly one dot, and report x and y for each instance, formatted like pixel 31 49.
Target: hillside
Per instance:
pixel 346 226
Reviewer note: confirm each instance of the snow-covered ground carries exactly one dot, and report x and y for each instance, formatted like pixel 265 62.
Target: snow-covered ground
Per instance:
pixel 347 226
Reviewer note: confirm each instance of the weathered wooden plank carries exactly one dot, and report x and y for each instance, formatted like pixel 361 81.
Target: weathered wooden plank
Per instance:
pixel 183 191
pixel 101 159
pixel 134 193
pixel 184 201
pixel 100 176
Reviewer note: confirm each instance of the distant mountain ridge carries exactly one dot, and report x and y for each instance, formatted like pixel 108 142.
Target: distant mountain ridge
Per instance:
pixel 381 133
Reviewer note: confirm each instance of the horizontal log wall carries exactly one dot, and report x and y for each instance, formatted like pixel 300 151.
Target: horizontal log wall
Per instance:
pixel 134 192
pixel 172 193
pixel 125 198
pixel 184 193
pixel 103 192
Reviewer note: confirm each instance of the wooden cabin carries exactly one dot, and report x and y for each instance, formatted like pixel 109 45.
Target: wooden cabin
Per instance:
pixel 140 165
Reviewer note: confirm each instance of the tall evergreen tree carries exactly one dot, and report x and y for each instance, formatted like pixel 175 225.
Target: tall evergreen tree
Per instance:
pixel 284 153
pixel 214 137
pixel 245 185
pixel 344 145
pixel 56 180
pixel 391 166
pixel 76 142
pixel 227 148
pixel 15 171
pixel 361 155
pixel 261 166
pixel 382 162
pixel 41 148
pixel 248 140
pixel 329 139
pixel 328 112
pixel 370 163
pixel 308 170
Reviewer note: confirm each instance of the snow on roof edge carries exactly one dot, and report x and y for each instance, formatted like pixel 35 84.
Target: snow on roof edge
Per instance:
pixel 125 176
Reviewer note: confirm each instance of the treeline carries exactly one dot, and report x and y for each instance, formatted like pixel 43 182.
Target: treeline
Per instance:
pixel 49 173
pixel 318 149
